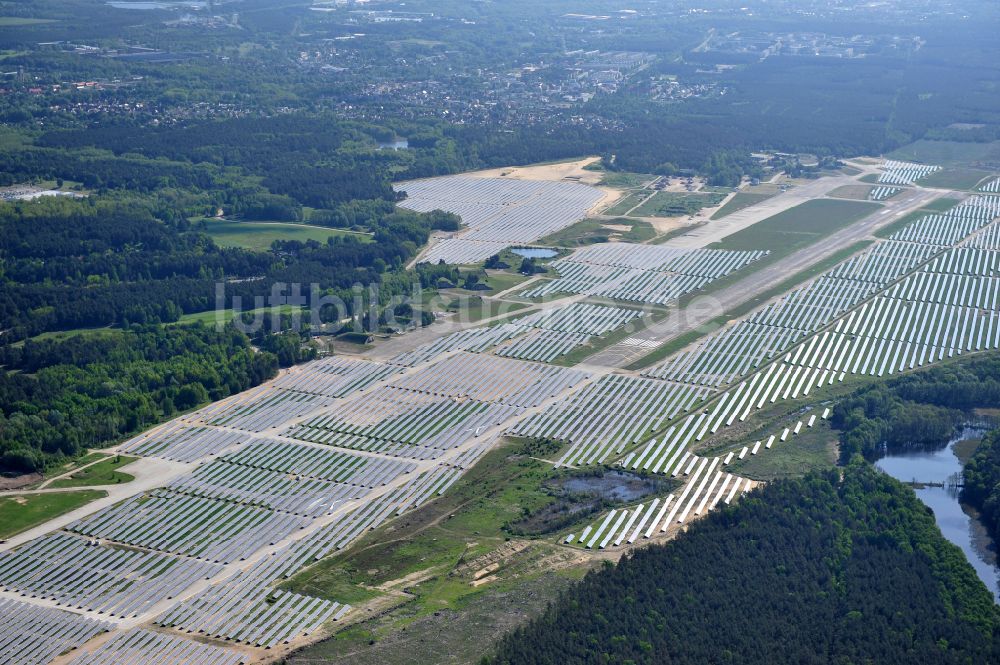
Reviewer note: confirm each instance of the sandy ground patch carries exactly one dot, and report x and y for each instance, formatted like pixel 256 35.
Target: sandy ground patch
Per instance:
pixel 17 482
pixel 610 197
pixel 571 171
pixel 666 224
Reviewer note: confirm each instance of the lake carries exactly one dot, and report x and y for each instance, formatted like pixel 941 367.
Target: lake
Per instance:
pixel 534 252
pixel 958 526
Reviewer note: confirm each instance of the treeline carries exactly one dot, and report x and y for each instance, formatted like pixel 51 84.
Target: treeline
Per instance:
pixel 918 409
pixel 814 570
pixel 981 482
pixel 178 189
pixel 317 161
pixel 59 397
pixel 323 162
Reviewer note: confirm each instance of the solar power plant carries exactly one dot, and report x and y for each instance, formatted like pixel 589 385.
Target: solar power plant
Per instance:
pixel 498 212
pixel 246 493
pixel 146 646
pixel 271 480
pixel 904 173
pixel 927 294
pixel 991 186
pixel 706 486
pixel 882 193
pixel 35 635
pixel 76 573
pixel 543 336
pixel 640 273
pixel 437 408
pixel 606 416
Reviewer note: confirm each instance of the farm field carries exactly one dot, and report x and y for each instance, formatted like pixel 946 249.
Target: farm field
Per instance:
pixel 21 512
pixel 260 235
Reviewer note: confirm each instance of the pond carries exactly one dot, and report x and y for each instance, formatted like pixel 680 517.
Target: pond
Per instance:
pixel 534 252
pixel 612 485
pixel 956 523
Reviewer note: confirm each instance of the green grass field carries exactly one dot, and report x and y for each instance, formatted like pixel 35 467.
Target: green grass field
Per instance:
pixel 464 523
pixel 210 317
pixel 21 512
pixel 626 203
pixel 853 192
pixel 798 227
pixel 941 204
pixel 948 153
pixel 258 236
pixel 61 335
pixel 104 472
pixel 812 449
pixel 623 180
pixel 499 281
pixel 955 178
pixel 470 308
pixel 14 21
pixel 671 204
pixel 739 202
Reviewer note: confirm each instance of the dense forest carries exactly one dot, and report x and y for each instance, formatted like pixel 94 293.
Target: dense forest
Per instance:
pixel 815 570
pixel 981 482
pixel 59 397
pixel 917 409
pixel 101 261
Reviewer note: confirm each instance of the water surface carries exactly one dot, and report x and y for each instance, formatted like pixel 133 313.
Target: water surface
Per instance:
pixel 957 525
pixel 534 252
